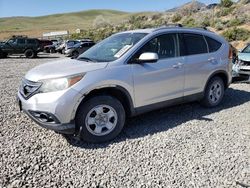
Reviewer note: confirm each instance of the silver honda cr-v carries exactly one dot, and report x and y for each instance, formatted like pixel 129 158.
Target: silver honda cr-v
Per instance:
pixel 124 75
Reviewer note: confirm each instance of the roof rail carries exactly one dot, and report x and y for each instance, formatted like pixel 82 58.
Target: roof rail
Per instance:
pixel 168 25
pixel 19 36
pixel 202 28
pixel 181 26
pixel 171 25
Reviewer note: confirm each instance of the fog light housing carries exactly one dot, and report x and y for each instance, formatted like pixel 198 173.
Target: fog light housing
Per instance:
pixel 44 117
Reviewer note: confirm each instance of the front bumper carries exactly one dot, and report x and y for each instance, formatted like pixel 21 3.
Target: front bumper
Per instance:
pixel 68 53
pixel 240 70
pixel 58 127
pixel 59 108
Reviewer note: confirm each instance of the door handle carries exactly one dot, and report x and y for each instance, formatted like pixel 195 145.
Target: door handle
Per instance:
pixel 212 60
pixel 178 65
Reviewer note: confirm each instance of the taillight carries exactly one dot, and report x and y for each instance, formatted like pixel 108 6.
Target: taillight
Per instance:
pixel 230 54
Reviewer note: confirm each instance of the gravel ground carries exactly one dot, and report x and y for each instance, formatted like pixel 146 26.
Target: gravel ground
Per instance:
pixel 182 146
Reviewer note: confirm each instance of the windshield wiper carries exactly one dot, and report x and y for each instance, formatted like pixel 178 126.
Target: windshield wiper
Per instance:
pixel 86 59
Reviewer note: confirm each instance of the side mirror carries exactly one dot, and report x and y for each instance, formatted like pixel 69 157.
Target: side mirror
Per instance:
pixel 240 50
pixel 148 57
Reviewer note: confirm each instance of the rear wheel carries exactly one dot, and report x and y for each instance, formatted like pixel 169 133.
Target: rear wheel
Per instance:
pixel 100 119
pixel 52 50
pixel 214 92
pixel 30 53
pixel 46 50
pixel 75 54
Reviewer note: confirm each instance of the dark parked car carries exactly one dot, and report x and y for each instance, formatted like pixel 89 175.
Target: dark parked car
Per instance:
pixel 44 43
pixel 20 45
pixel 51 48
pixel 78 49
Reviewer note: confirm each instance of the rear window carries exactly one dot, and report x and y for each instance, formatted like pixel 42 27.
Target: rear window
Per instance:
pixel 195 44
pixel 213 45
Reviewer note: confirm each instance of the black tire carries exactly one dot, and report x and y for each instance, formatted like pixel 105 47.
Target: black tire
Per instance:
pixel 63 51
pixel 214 92
pixel 29 53
pixel 3 54
pixel 84 111
pixel 52 50
pixel 75 54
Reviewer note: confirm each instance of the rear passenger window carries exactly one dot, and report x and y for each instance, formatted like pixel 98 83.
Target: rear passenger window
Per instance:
pixel 85 45
pixel 31 41
pixel 195 44
pixel 213 45
pixel 20 41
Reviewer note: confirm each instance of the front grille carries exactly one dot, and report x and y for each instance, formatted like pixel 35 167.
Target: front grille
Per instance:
pixel 29 88
pixel 244 63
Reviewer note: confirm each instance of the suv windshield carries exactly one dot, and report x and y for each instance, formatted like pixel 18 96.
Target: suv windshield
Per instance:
pixel 247 49
pixel 112 48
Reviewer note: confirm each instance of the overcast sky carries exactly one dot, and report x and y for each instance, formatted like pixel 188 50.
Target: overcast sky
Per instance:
pixel 10 8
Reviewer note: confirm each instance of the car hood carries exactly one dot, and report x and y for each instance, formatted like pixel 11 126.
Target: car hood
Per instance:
pixel 70 48
pixel 62 68
pixel 2 44
pixel 244 56
pixel 48 46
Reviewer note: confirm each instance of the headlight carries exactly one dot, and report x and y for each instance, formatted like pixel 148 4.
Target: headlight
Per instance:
pixel 58 84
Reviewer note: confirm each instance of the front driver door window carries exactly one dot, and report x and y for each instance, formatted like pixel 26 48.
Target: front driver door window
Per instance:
pixel 10 47
pixel 20 45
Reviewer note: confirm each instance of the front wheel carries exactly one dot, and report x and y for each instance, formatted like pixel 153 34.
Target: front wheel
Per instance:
pixel 63 51
pixel 29 53
pixel 214 92
pixel 100 119
pixel 52 50
pixel 3 54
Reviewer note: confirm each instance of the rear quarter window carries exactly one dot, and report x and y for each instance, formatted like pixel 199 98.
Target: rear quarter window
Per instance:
pixel 213 44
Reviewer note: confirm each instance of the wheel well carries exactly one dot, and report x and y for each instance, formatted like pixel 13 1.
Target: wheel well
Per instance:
pixel 119 93
pixel 223 76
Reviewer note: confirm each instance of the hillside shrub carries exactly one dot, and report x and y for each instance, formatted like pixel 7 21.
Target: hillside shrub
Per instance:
pixel 206 22
pixel 176 18
pixel 235 22
pixel 225 11
pixel 226 3
pixel 236 34
pixel 100 21
pixel 218 25
pixel 189 22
